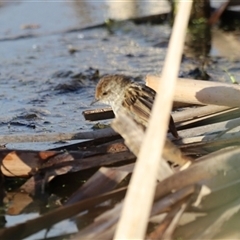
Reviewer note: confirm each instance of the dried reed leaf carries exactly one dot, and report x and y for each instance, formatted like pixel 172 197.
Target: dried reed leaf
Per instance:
pixel 134 135
pixel 104 180
pixel 176 214
pixel 208 226
pixel 101 224
pixel 107 220
pixel 207 167
pixel 133 214
pixel 202 92
pixel 30 227
pixel 199 112
pixel 24 163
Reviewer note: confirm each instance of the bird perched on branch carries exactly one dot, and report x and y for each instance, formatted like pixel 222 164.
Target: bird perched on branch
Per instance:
pixel 120 92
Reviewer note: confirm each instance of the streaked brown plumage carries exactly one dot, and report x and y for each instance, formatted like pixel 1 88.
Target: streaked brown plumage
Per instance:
pixel 120 91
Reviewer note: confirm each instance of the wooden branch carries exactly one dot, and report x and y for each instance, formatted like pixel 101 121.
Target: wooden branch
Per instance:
pixel 201 92
pixel 218 12
pixel 134 218
pixel 98 114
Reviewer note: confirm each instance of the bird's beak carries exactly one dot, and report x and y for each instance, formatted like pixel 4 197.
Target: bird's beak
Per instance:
pixel 94 101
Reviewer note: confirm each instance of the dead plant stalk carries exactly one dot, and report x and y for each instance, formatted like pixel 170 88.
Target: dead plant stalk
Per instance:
pixel 139 199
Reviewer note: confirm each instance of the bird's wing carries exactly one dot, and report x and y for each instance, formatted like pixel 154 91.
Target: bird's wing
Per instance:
pixel 139 100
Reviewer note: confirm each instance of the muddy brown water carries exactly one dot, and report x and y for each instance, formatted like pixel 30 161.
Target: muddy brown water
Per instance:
pixel 45 88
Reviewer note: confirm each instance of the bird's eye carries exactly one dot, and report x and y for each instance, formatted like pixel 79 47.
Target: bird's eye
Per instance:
pixel 104 93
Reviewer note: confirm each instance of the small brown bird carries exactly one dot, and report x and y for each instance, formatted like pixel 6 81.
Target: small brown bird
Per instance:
pixel 120 91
